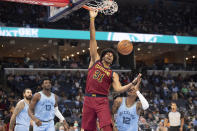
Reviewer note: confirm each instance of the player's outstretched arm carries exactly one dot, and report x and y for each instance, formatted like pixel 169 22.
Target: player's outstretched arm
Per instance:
pixel 93 44
pixel 32 105
pixel 19 107
pixel 119 88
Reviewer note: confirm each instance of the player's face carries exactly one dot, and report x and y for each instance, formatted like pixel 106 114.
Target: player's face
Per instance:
pixel 131 92
pixel 28 94
pixel 46 84
pixel 173 107
pixel 108 58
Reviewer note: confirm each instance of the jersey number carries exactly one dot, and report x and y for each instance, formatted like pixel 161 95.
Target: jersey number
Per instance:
pixel 98 75
pixel 48 107
pixel 126 120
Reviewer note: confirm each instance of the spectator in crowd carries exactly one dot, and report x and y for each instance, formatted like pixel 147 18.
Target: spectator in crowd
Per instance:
pixel 158 106
pixel 161 126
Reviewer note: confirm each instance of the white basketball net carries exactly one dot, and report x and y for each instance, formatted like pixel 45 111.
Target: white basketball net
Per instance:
pixel 107 7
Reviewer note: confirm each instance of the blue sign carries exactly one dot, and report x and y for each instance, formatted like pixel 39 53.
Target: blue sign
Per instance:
pixel 85 35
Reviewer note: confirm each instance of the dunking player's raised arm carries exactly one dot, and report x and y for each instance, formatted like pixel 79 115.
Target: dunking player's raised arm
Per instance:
pixel 19 107
pixel 93 44
pixel 32 105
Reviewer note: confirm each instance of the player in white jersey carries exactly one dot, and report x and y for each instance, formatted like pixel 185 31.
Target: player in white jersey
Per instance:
pixel 20 115
pixel 44 107
pixel 126 110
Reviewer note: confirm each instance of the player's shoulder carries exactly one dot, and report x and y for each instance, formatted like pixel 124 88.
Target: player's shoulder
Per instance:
pixel 118 100
pixel 56 96
pixel 21 103
pixel 138 103
pixel 93 63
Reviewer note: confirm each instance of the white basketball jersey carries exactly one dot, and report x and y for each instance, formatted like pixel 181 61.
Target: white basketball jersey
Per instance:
pixel 23 118
pixel 45 109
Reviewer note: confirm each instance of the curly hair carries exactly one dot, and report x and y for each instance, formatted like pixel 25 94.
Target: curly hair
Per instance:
pixel 104 51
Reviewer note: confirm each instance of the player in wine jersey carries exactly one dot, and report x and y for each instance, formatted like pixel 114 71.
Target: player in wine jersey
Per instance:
pixel 99 79
pixel 43 109
pixel 20 115
pixel 127 110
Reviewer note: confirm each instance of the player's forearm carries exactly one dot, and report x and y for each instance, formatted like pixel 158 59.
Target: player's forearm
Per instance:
pixel 113 123
pixel 12 123
pixel 143 100
pixel 58 114
pixel 30 112
pixel 122 89
pixel 92 29
pixel 93 43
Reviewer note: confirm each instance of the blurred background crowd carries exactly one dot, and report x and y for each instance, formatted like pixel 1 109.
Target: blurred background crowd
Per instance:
pixel 159 88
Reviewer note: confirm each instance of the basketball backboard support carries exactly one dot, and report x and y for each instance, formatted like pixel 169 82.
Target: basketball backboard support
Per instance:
pixel 56 13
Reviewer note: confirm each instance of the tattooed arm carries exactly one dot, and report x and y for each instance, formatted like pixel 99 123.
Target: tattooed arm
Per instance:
pixel 116 105
pixel 19 107
pixel 139 107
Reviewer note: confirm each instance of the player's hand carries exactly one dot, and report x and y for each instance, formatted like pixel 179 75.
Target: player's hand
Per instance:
pixel 136 87
pixel 93 13
pixel 38 122
pixel 65 124
pixel 137 78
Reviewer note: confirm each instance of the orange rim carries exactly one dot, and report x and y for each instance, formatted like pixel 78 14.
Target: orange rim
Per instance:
pixel 93 8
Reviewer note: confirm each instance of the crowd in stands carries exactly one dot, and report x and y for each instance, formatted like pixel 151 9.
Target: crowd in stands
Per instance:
pixel 159 18
pixel 82 62
pixel 159 90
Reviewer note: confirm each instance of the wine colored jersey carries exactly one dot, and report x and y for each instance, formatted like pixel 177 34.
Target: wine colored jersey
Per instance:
pixel 99 79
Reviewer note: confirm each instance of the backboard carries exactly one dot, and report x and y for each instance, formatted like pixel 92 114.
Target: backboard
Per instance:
pixel 56 13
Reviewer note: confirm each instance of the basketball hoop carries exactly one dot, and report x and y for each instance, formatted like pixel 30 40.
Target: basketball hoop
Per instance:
pixel 107 7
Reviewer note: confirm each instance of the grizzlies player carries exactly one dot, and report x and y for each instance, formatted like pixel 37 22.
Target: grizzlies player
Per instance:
pixel 127 110
pixel 20 115
pixel 43 109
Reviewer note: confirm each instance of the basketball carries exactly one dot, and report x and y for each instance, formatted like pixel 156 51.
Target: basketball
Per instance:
pixel 125 47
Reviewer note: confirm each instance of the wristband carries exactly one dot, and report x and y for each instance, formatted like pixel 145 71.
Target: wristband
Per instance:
pixel 138 92
pixel 92 18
